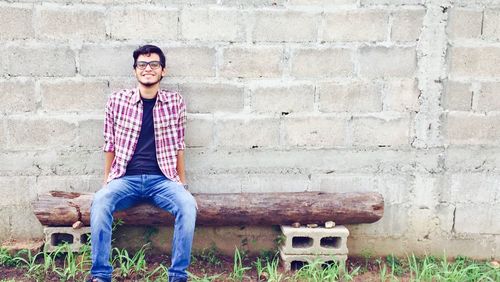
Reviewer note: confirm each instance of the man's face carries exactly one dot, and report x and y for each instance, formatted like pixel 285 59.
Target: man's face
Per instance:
pixel 147 71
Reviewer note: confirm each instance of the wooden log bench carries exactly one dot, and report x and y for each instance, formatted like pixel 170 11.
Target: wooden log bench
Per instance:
pixel 58 211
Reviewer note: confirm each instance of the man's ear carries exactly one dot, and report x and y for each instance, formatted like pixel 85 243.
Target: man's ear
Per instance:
pixel 164 72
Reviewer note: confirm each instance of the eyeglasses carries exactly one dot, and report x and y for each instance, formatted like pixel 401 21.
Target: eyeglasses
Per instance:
pixel 153 64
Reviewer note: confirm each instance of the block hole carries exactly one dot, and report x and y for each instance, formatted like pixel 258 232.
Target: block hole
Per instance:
pixel 302 242
pixel 330 242
pixel 297 264
pixel 60 238
pixel 330 263
pixel 85 238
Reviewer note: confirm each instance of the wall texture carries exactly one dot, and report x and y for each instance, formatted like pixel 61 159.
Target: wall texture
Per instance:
pixel 400 97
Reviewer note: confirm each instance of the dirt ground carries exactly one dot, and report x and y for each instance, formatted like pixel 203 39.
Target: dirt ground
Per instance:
pixel 200 268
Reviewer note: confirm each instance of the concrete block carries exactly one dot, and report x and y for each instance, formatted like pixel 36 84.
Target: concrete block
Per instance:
pixel 199 131
pixel 426 191
pixel 395 222
pixel 57 236
pixel 246 132
pixel 275 183
pixel 477 219
pixel 472 159
pixel 17 190
pixel 70 23
pixel 17 95
pixel 354 96
pixel 487 100
pixel 66 183
pixel 4 224
pixel 90 133
pixel 457 96
pixel 16 162
pixel 74 95
pixel 321 2
pixel 215 183
pixel 344 25
pixel 40 133
pixel 16 22
pixel 252 62
pixel 474 61
pixel 295 262
pixel 322 63
pixel 255 3
pixel 69 162
pixel 190 61
pixel 453 247
pixel 283 99
pixel 106 60
pixel 287 26
pixel 497 247
pixel 464 23
pixel 471 129
pixel 373 131
pixel 407 25
pixel 314 241
pixel 394 188
pixel 491 24
pixel 211 98
pixel 364 3
pixel 401 95
pixel 136 23
pixel 471 188
pixel 213 24
pixel 445 214
pixel 373 62
pixel 23 223
pixel 315 131
pixel 39 60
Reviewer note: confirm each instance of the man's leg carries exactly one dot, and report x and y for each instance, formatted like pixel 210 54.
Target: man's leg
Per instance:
pixel 119 194
pixel 172 197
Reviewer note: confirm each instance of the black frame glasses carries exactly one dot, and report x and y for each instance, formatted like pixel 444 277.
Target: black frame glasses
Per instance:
pixel 142 65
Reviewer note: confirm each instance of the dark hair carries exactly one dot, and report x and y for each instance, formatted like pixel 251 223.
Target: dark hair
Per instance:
pixel 149 49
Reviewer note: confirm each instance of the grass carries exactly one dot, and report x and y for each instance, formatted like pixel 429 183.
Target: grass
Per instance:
pixel 69 266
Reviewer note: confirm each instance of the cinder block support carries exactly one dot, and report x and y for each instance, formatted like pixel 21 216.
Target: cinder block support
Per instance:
pixel 56 236
pixel 315 241
pixel 295 262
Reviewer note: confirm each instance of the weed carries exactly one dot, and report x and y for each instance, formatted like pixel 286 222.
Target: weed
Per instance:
pixel 127 265
pixel 238 268
pixel 211 256
pixel 6 259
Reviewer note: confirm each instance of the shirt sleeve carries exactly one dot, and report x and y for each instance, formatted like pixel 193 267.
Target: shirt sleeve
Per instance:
pixel 109 128
pixel 180 145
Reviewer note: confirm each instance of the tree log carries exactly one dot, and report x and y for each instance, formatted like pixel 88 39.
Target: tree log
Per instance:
pixel 63 209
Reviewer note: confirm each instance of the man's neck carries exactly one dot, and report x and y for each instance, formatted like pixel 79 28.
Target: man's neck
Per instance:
pixel 148 92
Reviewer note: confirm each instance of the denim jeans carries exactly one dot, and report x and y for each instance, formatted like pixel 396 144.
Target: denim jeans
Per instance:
pixel 123 193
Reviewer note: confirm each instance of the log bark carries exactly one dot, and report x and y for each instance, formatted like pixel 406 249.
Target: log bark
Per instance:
pixel 63 209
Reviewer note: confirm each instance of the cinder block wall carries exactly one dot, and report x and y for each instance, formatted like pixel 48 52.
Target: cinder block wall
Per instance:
pixel 400 97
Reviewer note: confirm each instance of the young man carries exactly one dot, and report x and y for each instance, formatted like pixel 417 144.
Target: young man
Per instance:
pixel 144 160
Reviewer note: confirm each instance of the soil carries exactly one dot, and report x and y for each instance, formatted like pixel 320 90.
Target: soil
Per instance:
pixel 199 267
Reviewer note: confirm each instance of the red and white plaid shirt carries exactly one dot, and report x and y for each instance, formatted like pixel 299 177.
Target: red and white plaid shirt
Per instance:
pixel 122 126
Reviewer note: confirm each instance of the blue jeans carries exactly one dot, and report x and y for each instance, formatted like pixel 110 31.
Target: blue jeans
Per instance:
pixel 123 193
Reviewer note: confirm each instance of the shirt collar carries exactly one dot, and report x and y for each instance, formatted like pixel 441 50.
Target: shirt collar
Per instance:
pixel 136 96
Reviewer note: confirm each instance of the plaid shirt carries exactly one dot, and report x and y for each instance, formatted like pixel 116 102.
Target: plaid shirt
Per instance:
pixel 123 122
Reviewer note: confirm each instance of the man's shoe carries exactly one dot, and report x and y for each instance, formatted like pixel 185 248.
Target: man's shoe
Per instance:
pixel 95 279
pixel 177 279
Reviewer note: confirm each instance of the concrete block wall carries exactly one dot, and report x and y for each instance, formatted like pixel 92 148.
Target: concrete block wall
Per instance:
pixel 395 96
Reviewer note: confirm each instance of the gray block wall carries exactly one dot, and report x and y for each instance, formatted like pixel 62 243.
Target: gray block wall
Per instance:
pixel 399 97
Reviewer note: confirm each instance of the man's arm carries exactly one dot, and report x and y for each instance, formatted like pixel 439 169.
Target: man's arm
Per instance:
pixel 108 160
pixel 180 166
pixel 109 140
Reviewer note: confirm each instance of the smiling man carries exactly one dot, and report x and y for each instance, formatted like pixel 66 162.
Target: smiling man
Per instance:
pixel 144 160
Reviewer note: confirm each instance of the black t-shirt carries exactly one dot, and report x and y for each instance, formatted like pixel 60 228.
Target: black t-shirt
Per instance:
pixel 144 159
